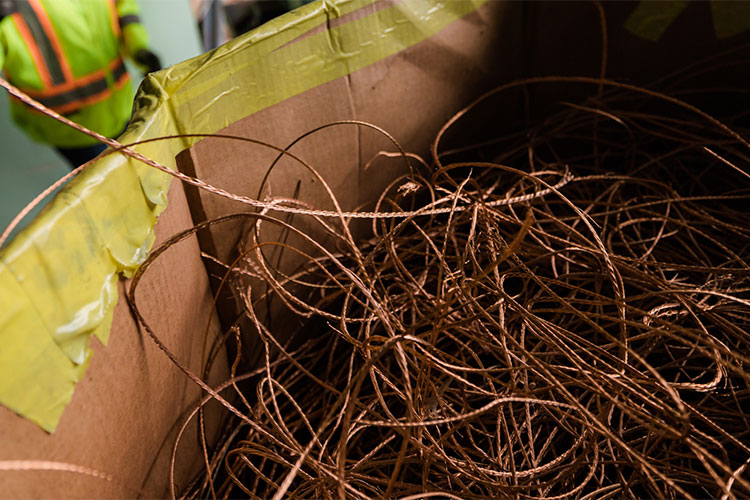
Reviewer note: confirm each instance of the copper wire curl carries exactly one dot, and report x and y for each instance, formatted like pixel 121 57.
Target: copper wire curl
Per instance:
pixel 586 341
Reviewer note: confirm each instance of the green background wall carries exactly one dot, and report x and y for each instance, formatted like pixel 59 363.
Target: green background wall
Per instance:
pixel 27 168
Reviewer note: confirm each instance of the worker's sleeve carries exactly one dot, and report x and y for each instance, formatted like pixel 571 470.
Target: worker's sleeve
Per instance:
pixel 134 36
pixel 2 47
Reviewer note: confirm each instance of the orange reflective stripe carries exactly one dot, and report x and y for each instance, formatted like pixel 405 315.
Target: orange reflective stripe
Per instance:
pixel 61 91
pixel 40 41
pixel 36 54
pixel 44 19
pixel 114 18
pixel 124 77
pixel 92 88
pixel 86 101
pixel 100 74
pixel 93 99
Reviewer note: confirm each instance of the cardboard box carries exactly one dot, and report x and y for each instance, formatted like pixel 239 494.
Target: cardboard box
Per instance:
pixel 122 419
pixel 405 66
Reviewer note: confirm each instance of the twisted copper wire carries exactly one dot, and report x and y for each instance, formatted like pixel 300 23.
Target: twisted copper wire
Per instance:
pixel 587 342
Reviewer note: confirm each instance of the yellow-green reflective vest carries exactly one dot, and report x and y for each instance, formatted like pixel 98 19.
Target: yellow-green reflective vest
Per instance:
pixel 67 54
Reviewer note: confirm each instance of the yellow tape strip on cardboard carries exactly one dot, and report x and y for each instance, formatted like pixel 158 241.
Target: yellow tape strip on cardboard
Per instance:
pixel 58 277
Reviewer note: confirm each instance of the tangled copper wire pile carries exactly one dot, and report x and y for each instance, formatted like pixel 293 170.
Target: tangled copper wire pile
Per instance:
pixel 568 320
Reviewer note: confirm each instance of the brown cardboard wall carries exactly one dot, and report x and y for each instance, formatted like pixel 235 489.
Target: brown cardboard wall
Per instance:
pixel 122 418
pixel 409 95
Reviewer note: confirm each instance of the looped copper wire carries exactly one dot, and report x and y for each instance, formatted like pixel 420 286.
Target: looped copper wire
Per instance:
pixel 561 322
pixel 585 341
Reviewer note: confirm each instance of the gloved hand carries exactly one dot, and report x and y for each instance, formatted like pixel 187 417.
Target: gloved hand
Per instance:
pixel 147 59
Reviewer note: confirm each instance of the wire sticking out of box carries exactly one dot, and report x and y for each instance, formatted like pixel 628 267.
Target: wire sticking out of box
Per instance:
pixel 65 467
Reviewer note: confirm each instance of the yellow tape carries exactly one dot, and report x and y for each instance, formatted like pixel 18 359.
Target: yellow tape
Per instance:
pixel 58 278
pixel 730 17
pixel 650 19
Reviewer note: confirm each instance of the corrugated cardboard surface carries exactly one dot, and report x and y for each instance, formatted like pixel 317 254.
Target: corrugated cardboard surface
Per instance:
pixel 409 95
pixel 121 420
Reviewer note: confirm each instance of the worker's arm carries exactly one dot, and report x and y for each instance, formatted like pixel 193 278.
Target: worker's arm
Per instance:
pixel 2 41
pixel 135 38
pixel 6 9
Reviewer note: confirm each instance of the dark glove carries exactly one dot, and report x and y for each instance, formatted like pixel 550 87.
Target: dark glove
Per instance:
pixel 147 59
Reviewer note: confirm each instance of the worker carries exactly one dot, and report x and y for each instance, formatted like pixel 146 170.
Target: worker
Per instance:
pixel 67 54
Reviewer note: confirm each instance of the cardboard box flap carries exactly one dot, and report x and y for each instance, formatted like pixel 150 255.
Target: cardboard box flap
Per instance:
pixel 120 198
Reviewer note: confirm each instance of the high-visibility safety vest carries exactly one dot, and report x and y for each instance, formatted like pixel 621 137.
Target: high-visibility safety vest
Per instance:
pixel 67 54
